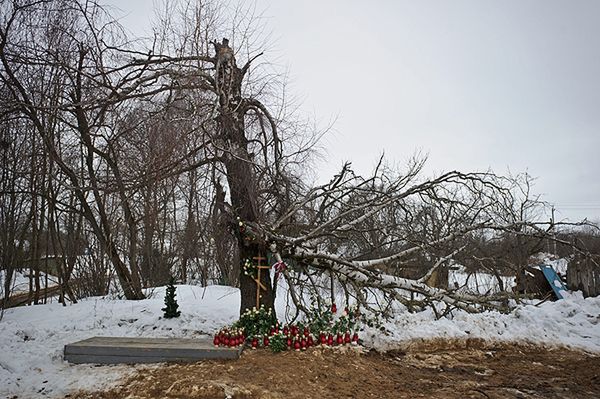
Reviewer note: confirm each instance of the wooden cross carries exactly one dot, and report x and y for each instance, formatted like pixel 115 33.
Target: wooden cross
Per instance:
pixel 259 284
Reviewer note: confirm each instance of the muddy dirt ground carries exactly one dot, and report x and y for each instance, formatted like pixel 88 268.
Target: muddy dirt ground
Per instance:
pixel 432 369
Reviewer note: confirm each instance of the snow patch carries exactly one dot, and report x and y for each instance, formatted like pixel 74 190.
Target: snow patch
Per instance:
pixel 572 322
pixel 33 337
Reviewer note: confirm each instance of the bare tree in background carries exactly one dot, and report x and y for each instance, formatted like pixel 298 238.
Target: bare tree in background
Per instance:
pixel 70 72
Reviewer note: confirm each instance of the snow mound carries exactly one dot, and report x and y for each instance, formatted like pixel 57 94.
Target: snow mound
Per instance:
pixel 573 322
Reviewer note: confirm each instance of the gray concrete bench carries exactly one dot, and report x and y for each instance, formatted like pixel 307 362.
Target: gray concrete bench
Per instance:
pixel 113 350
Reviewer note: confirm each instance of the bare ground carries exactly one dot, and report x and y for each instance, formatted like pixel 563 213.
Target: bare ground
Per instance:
pixel 429 369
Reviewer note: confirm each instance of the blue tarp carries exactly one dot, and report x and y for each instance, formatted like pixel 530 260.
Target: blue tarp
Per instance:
pixel 555 281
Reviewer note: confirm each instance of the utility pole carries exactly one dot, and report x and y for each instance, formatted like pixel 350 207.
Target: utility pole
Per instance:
pixel 553 230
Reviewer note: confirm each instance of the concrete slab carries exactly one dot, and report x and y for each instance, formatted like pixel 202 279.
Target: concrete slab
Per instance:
pixel 113 350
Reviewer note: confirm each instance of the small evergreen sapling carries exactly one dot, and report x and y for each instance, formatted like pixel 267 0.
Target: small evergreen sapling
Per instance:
pixel 171 305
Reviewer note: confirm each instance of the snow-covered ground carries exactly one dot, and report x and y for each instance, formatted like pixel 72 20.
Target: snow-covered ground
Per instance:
pixel 33 337
pixel 20 281
pixel 573 322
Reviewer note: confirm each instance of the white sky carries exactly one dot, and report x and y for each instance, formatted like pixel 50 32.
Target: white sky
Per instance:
pixel 511 85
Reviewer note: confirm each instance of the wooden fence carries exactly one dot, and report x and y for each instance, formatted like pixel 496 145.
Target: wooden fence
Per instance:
pixel 583 274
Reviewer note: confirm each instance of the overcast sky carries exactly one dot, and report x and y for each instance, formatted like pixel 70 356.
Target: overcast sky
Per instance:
pixel 507 85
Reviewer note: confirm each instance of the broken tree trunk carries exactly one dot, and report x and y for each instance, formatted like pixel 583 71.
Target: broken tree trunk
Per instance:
pixel 239 170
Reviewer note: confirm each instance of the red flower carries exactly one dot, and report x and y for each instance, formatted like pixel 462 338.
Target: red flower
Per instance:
pixel 279 267
pixel 333 308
